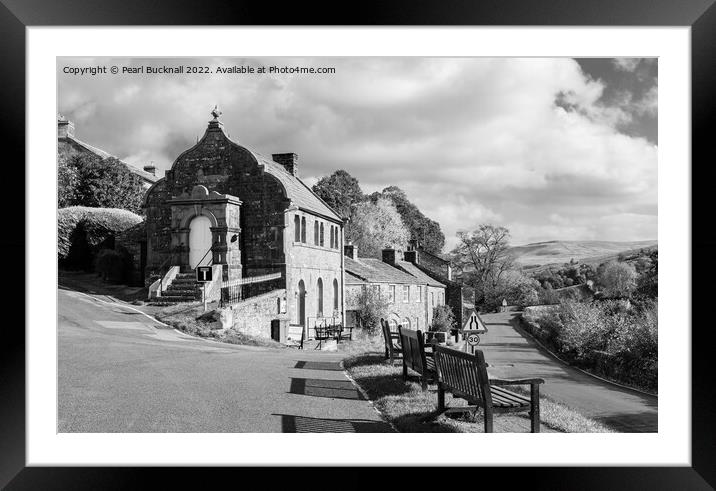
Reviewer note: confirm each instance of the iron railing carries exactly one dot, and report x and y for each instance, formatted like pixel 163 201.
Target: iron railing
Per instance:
pixel 235 291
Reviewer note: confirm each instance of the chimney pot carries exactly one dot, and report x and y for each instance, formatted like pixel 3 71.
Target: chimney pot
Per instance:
pixel 151 169
pixel 288 160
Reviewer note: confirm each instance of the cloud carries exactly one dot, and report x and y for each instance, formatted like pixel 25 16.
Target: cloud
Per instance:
pixel 510 141
pixel 626 64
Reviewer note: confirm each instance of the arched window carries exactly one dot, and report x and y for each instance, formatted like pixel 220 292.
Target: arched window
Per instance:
pixel 322 241
pixel 297 227
pixel 335 294
pixel 319 312
pixel 337 235
pixel 406 323
pixel 303 230
pixel 315 232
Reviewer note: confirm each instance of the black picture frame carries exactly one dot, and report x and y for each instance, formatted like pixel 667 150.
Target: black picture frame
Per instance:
pixel 700 15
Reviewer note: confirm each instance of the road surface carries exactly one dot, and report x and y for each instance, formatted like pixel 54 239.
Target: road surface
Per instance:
pixel 120 371
pixel 516 355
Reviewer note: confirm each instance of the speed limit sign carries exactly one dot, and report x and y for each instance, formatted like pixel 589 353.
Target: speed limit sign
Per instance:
pixel 473 339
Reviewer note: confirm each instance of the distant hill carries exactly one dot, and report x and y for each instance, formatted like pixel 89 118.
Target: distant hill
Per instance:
pixel 533 256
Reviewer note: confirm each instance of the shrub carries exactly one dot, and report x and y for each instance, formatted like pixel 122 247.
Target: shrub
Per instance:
pixel 371 308
pixel 443 319
pixel 112 265
pixel 82 231
pixel 618 279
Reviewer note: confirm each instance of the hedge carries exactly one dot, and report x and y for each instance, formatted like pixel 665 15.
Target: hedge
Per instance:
pixel 82 231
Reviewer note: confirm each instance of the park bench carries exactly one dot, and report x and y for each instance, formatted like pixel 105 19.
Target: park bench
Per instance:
pixel 465 376
pixel 415 358
pixel 392 341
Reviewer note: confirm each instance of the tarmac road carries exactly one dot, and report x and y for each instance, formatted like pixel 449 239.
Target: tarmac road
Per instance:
pixel 121 371
pixel 516 355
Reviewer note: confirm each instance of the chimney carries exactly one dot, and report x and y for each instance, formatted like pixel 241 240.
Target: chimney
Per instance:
pixel 411 255
pixel 351 251
pixel 288 160
pixel 65 128
pixel 413 245
pixel 151 169
pixel 391 256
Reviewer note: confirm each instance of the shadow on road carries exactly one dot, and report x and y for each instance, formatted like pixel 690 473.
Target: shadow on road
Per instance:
pixel 334 389
pixel 304 424
pixel 319 365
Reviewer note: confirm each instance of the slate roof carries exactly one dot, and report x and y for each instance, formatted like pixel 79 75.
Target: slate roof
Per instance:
pixel 369 270
pixel 146 176
pixel 418 273
pixel 299 193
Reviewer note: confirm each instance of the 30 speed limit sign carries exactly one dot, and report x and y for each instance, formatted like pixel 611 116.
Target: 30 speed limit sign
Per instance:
pixel 473 339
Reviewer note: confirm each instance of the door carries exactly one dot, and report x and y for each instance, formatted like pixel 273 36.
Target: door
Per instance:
pixel 199 242
pixel 301 303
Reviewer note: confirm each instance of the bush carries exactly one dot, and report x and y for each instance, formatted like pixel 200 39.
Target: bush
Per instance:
pixel 83 231
pixel 371 309
pixel 113 265
pixel 443 319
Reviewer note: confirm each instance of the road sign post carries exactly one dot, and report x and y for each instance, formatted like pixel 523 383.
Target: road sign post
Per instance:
pixel 203 275
pixel 471 330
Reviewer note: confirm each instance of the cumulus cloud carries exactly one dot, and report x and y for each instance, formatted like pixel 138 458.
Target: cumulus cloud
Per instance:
pixel 471 140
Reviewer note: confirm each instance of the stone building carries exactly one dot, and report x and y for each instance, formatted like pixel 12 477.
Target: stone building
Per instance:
pixel 411 294
pixel 68 145
pixel 246 215
pixel 460 297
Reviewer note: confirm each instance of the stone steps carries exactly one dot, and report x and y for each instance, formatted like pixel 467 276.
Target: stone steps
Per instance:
pixel 182 289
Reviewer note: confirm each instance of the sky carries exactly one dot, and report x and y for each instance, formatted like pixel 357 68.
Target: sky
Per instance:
pixel 551 148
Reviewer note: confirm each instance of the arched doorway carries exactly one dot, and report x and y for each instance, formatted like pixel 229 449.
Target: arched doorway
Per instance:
pixel 199 241
pixel 301 300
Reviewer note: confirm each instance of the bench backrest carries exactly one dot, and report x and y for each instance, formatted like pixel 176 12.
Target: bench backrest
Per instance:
pixel 413 349
pixel 463 373
pixel 386 337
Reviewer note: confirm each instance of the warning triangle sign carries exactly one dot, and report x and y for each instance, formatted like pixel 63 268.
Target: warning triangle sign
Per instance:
pixel 474 323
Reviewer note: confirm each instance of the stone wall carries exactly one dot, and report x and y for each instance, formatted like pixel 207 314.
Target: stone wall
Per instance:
pixel 254 315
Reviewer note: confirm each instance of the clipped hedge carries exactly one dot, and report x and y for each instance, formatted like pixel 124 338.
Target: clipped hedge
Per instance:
pixel 82 231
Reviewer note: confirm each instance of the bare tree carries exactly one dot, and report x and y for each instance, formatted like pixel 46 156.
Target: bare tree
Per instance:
pixel 482 258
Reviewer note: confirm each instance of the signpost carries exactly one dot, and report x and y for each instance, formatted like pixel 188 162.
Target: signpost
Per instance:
pixel 203 275
pixel 471 330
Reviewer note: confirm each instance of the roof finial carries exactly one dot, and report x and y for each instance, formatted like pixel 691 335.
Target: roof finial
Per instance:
pixel 216 113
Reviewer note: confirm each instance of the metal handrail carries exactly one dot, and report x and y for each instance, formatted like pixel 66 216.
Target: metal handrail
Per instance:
pixel 207 252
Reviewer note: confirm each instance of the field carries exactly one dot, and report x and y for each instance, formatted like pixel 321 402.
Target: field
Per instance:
pixel 533 256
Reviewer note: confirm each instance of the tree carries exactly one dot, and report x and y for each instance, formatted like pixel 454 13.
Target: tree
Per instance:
pixel 648 282
pixel 482 257
pixel 340 191
pixel 421 228
pixel 443 319
pixel 67 181
pixel 375 226
pixel 618 279
pixel 101 183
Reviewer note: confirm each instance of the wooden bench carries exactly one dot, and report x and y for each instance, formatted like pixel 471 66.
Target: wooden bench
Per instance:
pixel 415 358
pixel 465 376
pixel 392 341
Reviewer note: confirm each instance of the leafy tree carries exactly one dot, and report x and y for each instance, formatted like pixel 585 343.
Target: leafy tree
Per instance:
pixel 618 279
pixel 67 181
pixel 421 228
pixel 102 183
pixel 340 191
pixel 648 282
pixel 375 226
pixel 482 258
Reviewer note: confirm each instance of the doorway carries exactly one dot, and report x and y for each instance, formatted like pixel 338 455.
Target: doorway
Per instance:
pixel 199 242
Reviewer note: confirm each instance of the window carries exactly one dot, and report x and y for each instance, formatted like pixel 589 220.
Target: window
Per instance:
pixel 432 299
pixel 391 293
pixel 442 299
pixel 376 290
pixel 335 294
pixel 303 230
pixel 322 241
pixel 297 227
pixel 319 312
pixel 420 294
pixel 333 239
pixel 315 232
pixel 406 293
pixel 406 323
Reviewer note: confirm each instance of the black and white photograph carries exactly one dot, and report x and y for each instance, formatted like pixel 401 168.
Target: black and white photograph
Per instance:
pixel 357 245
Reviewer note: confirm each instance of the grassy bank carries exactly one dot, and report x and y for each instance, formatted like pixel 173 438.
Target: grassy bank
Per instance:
pixel 405 405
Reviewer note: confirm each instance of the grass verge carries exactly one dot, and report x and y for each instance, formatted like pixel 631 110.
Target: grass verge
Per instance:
pixel 405 405
pixel 191 319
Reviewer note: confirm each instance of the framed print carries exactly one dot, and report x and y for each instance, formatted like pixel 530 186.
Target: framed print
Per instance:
pixel 367 235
